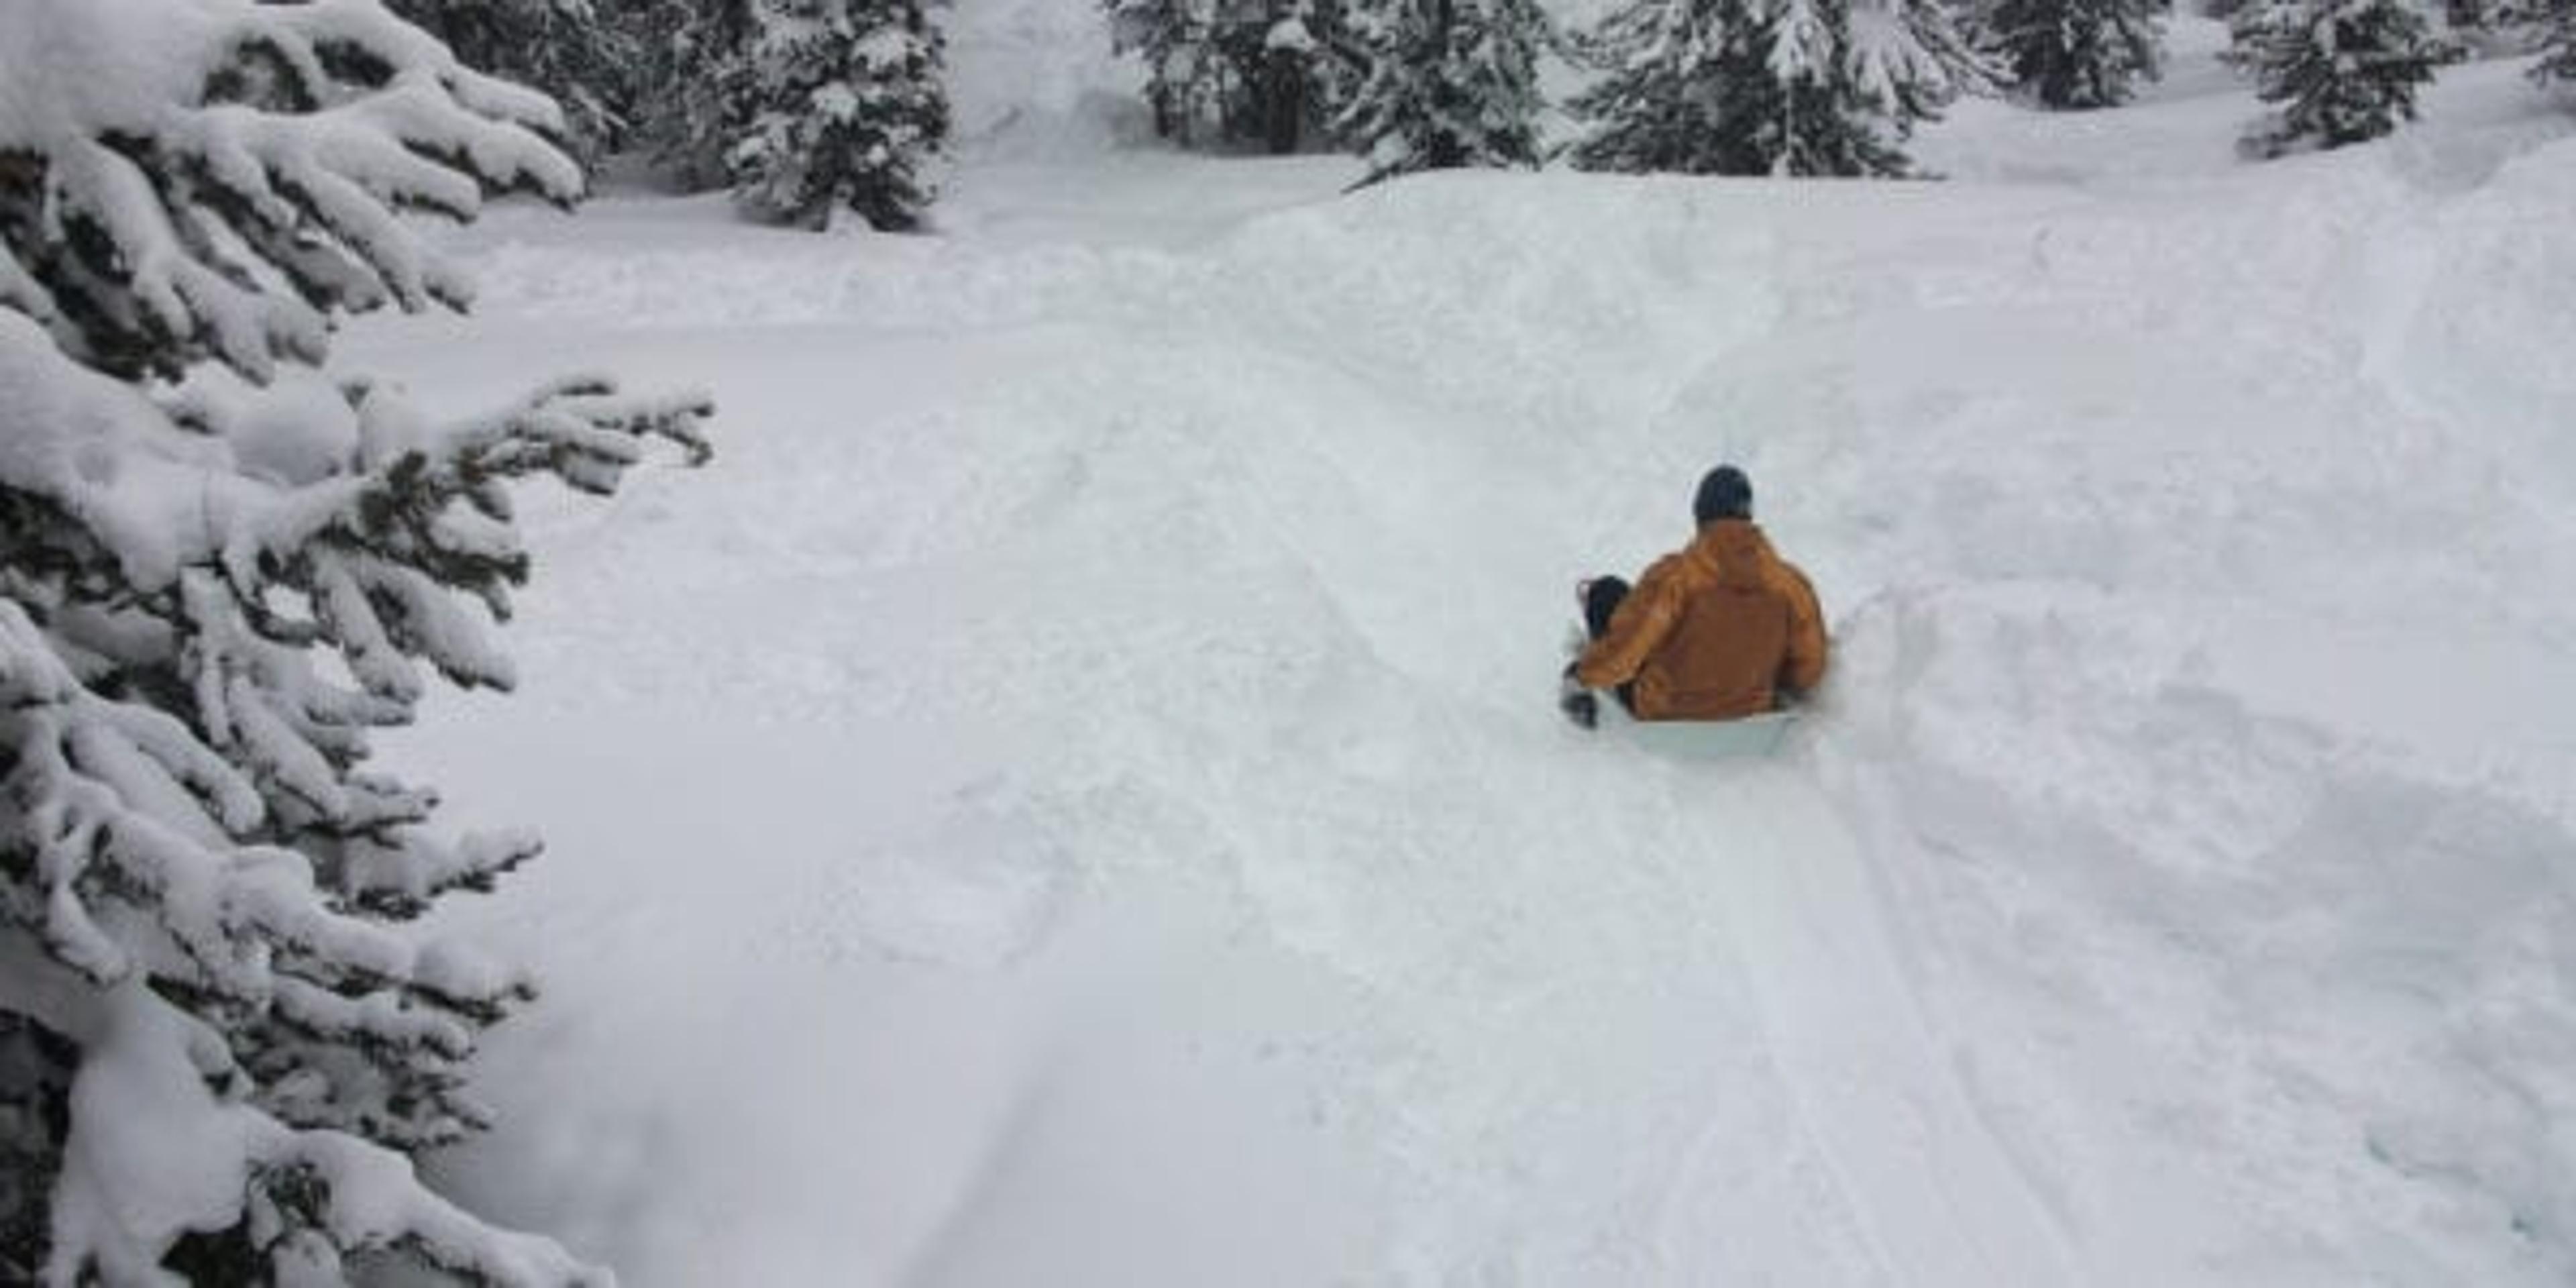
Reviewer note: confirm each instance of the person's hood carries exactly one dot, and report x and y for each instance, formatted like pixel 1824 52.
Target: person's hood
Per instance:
pixel 1730 551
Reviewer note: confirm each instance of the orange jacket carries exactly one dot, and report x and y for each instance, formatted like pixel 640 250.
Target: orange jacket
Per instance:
pixel 1713 632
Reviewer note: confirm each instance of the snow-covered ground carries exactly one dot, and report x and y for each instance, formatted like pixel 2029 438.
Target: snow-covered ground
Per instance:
pixel 1071 796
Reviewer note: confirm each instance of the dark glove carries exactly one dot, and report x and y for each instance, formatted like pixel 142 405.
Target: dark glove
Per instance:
pixel 1577 702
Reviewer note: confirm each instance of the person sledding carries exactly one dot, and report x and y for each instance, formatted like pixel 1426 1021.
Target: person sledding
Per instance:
pixel 1722 629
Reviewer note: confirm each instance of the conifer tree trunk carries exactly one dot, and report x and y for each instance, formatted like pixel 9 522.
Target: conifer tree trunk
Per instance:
pixel 1445 152
pixel 1284 103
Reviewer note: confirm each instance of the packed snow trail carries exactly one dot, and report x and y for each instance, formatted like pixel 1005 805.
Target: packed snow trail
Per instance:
pixel 1071 795
pixel 1938 1200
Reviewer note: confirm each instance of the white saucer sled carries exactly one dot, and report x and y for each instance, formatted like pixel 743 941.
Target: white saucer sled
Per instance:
pixel 1751 736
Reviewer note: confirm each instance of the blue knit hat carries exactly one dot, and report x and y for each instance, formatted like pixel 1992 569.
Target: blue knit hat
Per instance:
pixel 1724 494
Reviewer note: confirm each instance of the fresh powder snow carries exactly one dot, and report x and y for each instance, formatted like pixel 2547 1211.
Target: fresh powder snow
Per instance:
pixel 1071 795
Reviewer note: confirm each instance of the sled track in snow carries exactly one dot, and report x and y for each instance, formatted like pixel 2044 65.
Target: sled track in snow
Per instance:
pixel 1885 1136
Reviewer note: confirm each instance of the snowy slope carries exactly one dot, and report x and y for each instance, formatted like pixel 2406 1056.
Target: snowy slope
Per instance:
pixel 1071 796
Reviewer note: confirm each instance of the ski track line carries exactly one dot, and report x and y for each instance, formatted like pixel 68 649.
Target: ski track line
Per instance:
pixel 1937 1198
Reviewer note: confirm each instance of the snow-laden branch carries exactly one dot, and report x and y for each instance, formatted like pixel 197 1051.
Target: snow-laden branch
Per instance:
pixel 163 1138
pixel 180 795
pixel 171 164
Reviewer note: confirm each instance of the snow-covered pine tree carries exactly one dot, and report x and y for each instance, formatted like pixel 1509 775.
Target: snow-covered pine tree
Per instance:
pixel 581 53
pixel 1307 65
pixel 1768 87
pixel 847 111
pixel 2343 71
pixel 2557 20
pixel 2076 53
pixel 1235 70
pixel 694 57
pixel 1338 64
pixel 1450 83
pixel 1190 78
pixel 219 571
pixel 1811 113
